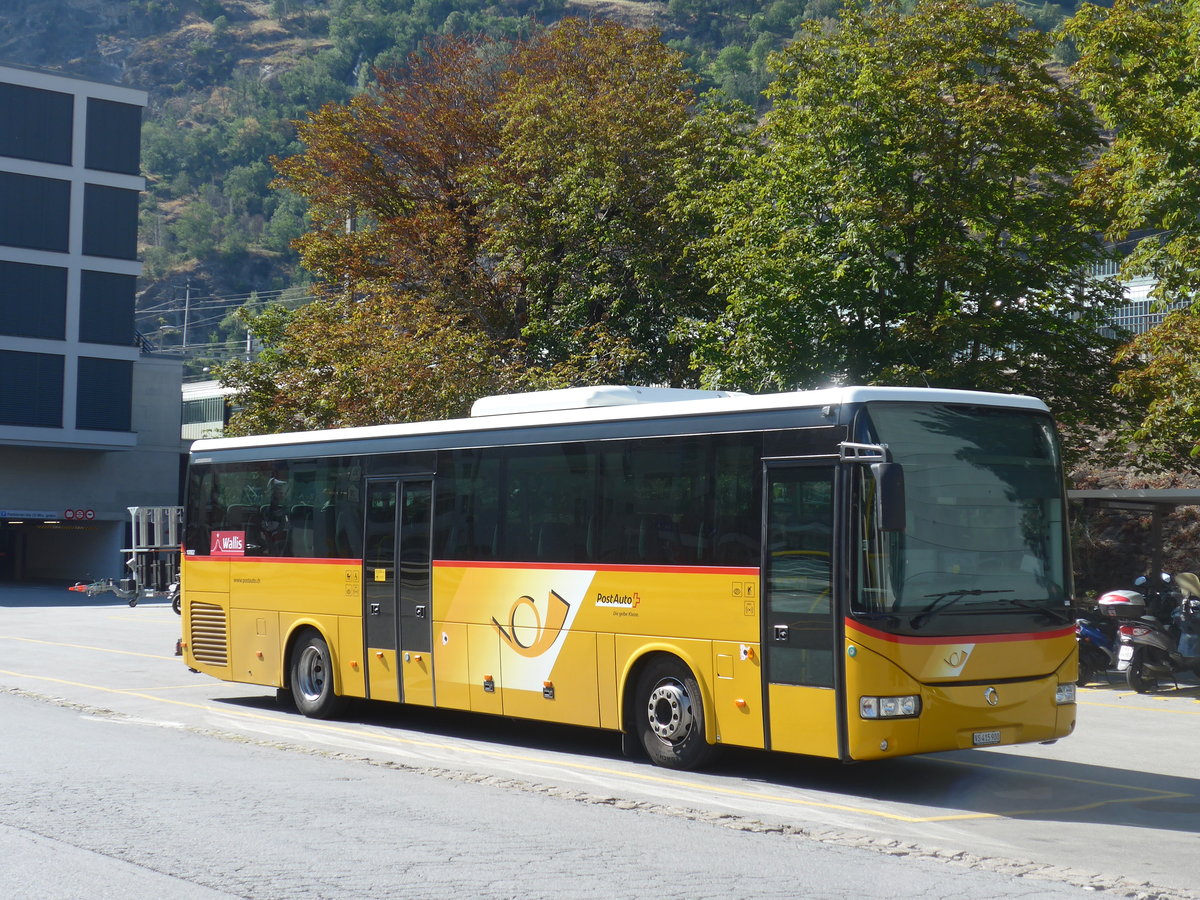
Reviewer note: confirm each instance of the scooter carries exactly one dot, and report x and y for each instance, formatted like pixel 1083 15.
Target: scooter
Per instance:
pixel 1152 649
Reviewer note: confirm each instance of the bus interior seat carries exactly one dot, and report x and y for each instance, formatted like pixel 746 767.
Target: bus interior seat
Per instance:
pixel 470 538
pixel 245 518
pixel 658 540
pixel 604 538
pixel 736 549
pixel 303 543
pixel 325 530
pixel 348 533
pixel 238 514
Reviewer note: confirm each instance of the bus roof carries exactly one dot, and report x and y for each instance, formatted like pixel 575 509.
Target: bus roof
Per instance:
pixel 588 397
pixel 649 406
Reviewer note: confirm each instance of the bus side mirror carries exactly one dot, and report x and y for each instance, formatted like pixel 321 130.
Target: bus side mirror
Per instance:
pixel 889 479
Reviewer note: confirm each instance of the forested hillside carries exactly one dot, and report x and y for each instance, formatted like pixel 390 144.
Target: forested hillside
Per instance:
pixel 227 77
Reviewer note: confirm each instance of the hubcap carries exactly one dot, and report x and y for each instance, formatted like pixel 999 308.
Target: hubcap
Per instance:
pixel 311 672
pixel 670 711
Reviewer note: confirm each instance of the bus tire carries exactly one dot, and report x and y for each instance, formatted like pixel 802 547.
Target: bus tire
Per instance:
pixel 312 678
pixel 669 715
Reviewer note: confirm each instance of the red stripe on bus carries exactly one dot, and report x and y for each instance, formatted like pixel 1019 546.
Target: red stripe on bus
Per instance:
pixel 305 560
pixel 467 564
pixel 852 625
pixel 747 571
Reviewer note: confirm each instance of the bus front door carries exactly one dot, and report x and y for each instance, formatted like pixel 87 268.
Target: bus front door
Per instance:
pixel 798 626
pixel 397 609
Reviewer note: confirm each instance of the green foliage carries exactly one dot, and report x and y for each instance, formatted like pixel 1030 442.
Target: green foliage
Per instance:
pixel 512 224
pixel 332 364
pixel 211 164
pixel 206 150
pixel 1137 66
pixel 906 216
pixel 715 26
pixel 224 121
pixel 591 131
pixel 1165 383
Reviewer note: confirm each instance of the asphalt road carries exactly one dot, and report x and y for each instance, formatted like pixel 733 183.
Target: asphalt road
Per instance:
pixel 123 771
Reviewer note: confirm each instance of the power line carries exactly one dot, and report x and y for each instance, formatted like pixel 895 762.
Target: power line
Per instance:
pixel 267 297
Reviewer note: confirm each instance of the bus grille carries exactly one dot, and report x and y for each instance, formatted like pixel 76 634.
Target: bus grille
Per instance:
pixel 210 640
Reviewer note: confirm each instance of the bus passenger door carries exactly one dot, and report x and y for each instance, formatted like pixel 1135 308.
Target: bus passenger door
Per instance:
pixel 380 624
pixel 396 590
pixel 415 584
pixel 798 608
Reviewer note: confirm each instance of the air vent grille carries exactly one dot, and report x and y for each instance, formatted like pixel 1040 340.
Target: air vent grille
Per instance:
pixel 210 634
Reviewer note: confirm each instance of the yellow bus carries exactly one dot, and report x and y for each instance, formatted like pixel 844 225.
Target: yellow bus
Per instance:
pixel 855 573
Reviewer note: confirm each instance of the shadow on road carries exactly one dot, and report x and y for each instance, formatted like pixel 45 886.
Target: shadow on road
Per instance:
pixel 1116 683
pixel 938 787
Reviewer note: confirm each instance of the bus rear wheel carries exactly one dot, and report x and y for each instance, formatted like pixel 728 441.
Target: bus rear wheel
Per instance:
pixel 669 715
pixel 312 678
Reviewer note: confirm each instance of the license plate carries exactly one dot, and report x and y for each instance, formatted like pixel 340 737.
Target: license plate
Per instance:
pixel 985 738
pixel 1125 653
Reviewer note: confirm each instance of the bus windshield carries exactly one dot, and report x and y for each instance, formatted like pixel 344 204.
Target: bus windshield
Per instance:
pixel 985 528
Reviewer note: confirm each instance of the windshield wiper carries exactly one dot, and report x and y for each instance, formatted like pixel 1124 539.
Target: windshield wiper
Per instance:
pixel 1033 606
pixel 945 600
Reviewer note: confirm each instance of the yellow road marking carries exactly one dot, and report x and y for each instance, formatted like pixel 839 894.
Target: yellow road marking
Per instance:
pixel 1072 778
pixel 1174 712
pixel 170 687
pixel 8 637
pixel 1142 793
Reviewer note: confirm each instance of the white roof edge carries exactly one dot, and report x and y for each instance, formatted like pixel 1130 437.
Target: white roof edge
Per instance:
pixel 603 395
pixel 636 410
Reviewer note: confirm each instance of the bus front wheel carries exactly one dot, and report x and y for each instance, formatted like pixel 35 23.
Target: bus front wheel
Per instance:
pixel 312 678
pixel 670 715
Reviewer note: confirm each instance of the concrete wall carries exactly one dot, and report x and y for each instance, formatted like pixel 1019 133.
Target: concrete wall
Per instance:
pixel 58 482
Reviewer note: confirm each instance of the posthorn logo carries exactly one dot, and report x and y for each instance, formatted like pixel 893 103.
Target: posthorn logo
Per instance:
pixel 524 621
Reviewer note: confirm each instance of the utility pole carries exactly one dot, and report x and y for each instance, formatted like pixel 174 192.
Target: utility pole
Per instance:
pixel 187 309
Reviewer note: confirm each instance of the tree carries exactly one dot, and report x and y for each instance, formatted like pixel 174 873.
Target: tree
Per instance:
pixel 1137 66
pixel 408 324
pixel 495 216
pixel 1164 382
pixel 390 181
pixel 592 131
pixel 332 365
pixel 907 216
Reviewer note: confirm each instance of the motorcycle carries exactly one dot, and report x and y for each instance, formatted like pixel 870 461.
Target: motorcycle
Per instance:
pixel 1097 639
pixel 1155 647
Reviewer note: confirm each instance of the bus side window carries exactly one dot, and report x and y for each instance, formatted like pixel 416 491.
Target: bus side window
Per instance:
pixel 467 505
pixel 205 513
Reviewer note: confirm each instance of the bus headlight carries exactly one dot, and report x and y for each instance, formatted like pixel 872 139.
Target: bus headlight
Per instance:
pixel 1065 693
pixel 889 707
